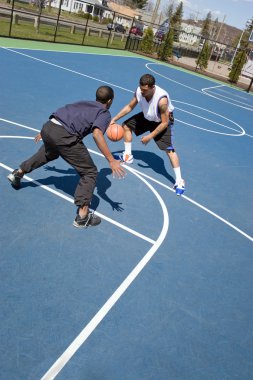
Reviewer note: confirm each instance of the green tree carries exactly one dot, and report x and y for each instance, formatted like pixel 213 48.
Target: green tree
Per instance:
pixel 147 44
pixel 203 57
pixel 206 27
pixel 176 19
pixel 140 4
pixel 239 61
pixel 178 15
pixel 169 10
pixel 166 48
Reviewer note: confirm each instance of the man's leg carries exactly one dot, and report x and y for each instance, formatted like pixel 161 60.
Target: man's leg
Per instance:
pixel 137 124
pixel 45 154
pixel 164 142
pixel 78 157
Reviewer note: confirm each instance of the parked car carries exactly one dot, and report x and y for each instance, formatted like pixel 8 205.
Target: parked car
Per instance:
pixel 137 30
pixel 116 27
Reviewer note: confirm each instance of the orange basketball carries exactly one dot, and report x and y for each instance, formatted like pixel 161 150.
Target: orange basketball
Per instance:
pixel 115 132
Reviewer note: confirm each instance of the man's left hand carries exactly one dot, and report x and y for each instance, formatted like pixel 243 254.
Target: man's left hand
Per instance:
pixel 145 139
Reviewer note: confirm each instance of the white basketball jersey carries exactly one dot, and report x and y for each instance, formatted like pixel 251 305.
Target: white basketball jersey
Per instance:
pixel 150 109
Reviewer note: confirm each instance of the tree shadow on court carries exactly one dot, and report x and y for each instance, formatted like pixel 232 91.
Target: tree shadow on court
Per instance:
pixel 152 161
pixel 68 182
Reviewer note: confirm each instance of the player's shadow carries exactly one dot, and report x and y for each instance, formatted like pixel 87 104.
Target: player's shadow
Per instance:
pixel 152 161
pixel 68 182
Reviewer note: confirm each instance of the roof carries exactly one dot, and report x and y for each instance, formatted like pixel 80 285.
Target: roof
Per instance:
pixel 122 9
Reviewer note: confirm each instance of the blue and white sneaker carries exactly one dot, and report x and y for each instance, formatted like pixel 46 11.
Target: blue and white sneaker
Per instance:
pixel 179 187
pixel 124 158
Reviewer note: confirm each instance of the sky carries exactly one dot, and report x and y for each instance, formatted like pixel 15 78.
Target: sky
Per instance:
pixel 235 12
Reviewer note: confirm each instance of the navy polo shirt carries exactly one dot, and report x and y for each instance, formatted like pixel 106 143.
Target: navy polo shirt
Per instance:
pixel 82 117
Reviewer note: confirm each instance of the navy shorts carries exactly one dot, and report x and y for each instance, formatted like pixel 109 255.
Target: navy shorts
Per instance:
pixel 139 125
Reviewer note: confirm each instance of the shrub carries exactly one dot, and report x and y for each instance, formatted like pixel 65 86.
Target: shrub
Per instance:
pixel 147 43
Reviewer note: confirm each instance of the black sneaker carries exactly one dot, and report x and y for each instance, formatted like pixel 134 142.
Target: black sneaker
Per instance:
pixel 15 179
pixel 90 220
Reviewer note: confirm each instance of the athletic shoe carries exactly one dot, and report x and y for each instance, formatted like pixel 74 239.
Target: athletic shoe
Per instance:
pixel 15 179
pixel 90 220
pixel 179 187
pixel 125 158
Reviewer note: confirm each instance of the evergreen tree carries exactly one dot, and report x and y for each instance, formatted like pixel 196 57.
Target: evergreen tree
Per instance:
pixel 140 4
pixel 214 28
pixel 170 10
pixel 176 19
pixel 178 15
pixel 206 27
pixel 203 57
pixel 166 48
pixel 242 43
pixel 147 44
pixel 239 61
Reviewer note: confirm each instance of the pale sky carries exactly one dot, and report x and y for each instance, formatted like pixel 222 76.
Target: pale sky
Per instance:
pixel 236 12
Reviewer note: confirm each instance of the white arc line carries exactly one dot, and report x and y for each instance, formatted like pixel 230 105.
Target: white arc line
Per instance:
pixel 133 232
pixel 194 89
pixel 189 199
pixel 101 314
pixel 198 205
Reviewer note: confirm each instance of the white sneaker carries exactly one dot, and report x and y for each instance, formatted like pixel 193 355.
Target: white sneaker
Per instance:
pixel 128 158
pixel 179 187
pixel 123 157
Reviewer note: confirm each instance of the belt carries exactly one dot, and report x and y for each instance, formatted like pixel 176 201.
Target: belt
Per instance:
pixel 55 121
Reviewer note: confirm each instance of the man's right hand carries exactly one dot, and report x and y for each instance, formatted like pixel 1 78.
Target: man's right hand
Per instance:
pixel 117 169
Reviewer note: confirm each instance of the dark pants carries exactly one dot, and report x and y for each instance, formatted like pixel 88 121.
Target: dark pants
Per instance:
pixel 140 125
pixel 58 142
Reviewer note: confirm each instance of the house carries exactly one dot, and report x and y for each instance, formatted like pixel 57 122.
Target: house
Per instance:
pixel 93 7
pixel 122 14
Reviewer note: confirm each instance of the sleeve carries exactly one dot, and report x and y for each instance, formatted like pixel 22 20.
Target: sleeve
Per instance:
pixel 102 121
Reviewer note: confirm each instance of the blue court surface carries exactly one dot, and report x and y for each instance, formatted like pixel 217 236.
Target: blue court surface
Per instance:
pixel 162 289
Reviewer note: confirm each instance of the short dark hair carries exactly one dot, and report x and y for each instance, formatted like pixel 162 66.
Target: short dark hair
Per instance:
pixel 147 79
pixel 104 93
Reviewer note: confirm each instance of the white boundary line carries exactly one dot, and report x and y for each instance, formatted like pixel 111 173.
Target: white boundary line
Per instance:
pixel 169 188
pixel 101 314
pixel 200 206
pixel 194 89
pixel 49 189
pixel 125 89
pixel 69 70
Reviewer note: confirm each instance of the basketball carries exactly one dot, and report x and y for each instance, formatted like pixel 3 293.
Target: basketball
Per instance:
pixel 115 132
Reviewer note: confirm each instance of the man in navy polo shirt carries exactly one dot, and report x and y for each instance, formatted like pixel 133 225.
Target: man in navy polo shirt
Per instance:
pixel 62 136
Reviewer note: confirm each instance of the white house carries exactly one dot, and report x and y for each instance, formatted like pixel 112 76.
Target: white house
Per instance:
pixel 93 7
pixel 190 34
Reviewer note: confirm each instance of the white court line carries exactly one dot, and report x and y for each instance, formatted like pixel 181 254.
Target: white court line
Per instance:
pixel 16 137
pixel 100 315
pixel 74 52
pixel 198 205
pixel 202 91
pixel 49 189
pixel 90 327
pixel 171 189
pixel 69 70
pixel 123 88
pixel 230 101
pixel 19 125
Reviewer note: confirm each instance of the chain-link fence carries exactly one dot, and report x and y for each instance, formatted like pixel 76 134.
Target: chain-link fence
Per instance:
pixel 55 23
pixel 97 25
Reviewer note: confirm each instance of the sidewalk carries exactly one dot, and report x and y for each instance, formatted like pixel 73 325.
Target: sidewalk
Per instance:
pixel 215 69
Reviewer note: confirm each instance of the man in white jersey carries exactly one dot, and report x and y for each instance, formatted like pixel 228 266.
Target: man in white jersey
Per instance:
pixel 156 118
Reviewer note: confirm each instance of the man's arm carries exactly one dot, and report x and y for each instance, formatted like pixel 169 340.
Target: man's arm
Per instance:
pixel 125 110
pixel 164 112
pixel 104 149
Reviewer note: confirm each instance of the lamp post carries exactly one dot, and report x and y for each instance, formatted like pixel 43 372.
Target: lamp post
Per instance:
pixel 239 42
